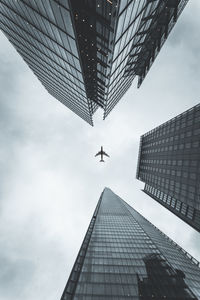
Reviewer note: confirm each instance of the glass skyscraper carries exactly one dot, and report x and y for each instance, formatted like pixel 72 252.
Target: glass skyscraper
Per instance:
pixel 86 53
pixel 124 256
pixel 169 164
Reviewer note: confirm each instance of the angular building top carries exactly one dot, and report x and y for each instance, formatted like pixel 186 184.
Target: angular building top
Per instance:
pixel 86 53
pixel 123 256
pixel 169 164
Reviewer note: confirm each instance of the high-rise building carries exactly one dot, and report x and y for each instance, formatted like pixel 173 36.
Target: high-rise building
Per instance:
pixel 124 256
pixel 169 164
pixel 86 53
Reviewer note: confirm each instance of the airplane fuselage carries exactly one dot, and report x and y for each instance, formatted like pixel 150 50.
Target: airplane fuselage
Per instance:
pixel 102 153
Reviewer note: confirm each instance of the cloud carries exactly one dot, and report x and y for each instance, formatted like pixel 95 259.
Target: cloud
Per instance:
pixel 50 180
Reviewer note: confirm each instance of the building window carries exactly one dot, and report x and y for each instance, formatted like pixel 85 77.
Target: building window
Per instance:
pixel 190 212
pixel 178 205
pixel 183 209
pixel 173 202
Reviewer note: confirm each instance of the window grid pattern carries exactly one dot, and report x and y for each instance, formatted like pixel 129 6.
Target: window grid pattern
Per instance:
pixel 173 253
pixel 169 161
pixel 126 258
pixel 188 213
pixel 45 38
pixel 87 53
pixel 130 13
pixel 142 28
pixel 157 22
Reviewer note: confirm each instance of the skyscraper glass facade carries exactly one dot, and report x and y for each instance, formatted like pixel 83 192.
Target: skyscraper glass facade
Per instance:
pixel 44 35
pixel 87 53
pixel 169 164
pixel 123 256
pixel 141 29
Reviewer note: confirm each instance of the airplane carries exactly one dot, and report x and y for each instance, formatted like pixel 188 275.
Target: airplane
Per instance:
pixel 102 153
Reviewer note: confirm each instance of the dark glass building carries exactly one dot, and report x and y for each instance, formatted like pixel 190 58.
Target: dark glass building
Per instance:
pixel 169 164
pixel 86 53
pixel 123 256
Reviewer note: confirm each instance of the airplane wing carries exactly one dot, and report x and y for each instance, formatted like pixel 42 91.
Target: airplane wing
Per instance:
pixel 104 153
pixel 99 153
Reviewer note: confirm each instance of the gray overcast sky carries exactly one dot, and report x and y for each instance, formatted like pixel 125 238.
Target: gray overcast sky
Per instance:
pixel 50 180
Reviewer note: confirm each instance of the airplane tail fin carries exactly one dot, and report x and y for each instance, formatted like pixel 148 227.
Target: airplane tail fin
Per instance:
pixel 101 160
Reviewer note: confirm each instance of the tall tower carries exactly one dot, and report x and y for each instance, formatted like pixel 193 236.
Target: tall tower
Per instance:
pixel 86 53
pixel 123 256
pixel 169 164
